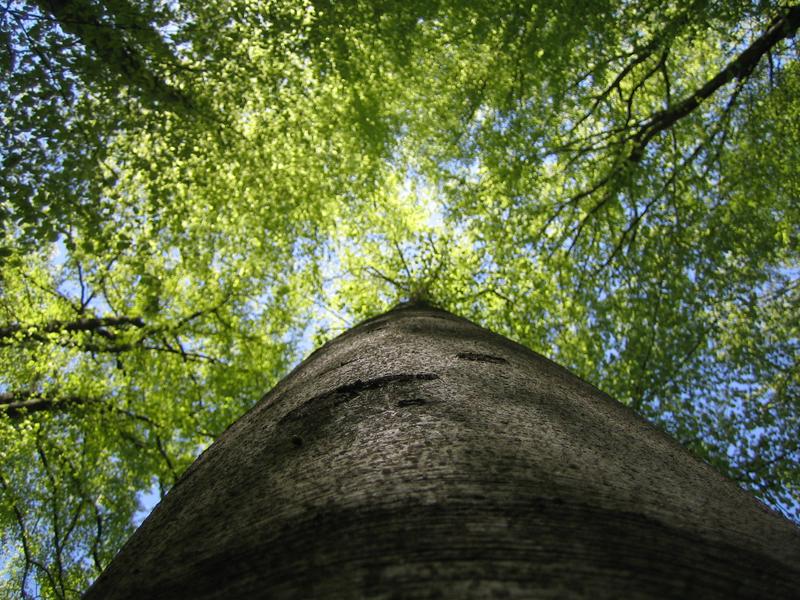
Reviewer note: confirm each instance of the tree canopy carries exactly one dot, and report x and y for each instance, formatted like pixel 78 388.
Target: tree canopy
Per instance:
pixel 195 194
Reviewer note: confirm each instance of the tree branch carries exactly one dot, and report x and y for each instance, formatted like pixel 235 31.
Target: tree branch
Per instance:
pixel 19 403
pixel 782 28
pixel 105 38
pixel 57 547
pixel 96 325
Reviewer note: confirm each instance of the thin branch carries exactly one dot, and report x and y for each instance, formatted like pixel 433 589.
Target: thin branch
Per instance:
pixel 402 259
pixel 98 538
pixel 195 356
pixel 639 58
pixel 26 550
pixel 85 298
pixel 386 278
pixel 159 444
pixel 55 517
pixel 73 522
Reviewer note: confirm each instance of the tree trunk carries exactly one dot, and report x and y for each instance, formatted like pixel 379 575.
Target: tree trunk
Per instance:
pixel 420 456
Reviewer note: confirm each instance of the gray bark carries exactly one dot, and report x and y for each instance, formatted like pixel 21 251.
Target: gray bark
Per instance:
pixel 420 456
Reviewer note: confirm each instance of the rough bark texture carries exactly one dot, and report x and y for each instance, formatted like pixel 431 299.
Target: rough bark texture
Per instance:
pixel 420 456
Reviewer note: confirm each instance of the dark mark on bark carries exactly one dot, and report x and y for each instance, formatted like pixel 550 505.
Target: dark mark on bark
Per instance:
pixel 351 390
pixel 336 366
pixel 412 402
pixel 297 441
pixel 487 358
pixel 346 392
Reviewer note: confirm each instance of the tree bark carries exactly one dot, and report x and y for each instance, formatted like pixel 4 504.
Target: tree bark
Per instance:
pixel 420 456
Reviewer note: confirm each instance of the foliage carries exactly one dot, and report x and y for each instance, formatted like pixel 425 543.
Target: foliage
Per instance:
pixel 196 193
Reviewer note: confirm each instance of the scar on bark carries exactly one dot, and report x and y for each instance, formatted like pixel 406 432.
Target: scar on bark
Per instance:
pixel 487 358
pixel 412 402
pixel 351 390
pixel 344 393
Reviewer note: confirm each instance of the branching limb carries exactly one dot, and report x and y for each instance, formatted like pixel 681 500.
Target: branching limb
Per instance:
pixel 98 325
pixel 782 28
pixel 58 549
pixel 30 561
pixel 101 36
pixel 15 404
pixel 641 133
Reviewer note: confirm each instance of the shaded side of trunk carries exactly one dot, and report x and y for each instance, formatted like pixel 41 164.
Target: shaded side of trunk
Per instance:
pixel 420 456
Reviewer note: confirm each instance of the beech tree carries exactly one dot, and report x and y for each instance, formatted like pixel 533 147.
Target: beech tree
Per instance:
pixel 420 456
pixel 195 194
